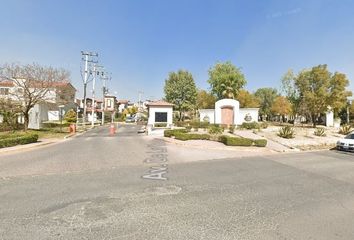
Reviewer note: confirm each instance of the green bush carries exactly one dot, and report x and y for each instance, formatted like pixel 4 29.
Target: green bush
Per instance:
pixel 260 142
pixel 286 132
pixel 320 132
pixel 236 141
pixel 181 124
pixel 55 124
pixel 70 116
pixel 215 129
pixel 204 124
pixel 191 136
pixel 170 133
pixel 17 139
pixel 250 125
pixel 232 128
pixel 345 129
pixel 263 125
pixel 161 125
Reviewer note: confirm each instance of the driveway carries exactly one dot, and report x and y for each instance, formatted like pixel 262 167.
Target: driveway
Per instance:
pixel 92 187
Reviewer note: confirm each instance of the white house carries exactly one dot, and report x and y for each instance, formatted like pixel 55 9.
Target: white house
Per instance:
pixel 160 112
pixel 57 93
pixel 228 112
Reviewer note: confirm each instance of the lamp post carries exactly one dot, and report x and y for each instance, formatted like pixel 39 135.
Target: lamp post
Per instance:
pixel 61 116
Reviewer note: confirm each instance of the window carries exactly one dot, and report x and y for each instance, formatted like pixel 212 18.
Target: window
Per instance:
pixel 4 91
pixel 109 103
pixel 160 116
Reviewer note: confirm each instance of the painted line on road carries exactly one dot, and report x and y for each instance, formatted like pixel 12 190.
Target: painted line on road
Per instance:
pixel 157 152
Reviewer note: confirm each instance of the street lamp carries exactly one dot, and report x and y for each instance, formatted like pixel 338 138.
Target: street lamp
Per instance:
pixel 61 116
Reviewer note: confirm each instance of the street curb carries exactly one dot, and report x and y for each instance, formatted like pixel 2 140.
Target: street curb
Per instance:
pixel 227 148
pixel 32 146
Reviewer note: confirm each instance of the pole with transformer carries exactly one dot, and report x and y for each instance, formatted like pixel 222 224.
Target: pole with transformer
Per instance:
pixel 87 58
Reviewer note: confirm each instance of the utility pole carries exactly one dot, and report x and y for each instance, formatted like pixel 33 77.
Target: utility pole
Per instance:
pixel 104 78
pixel 93 94
pixel 87 58
pixel 140 104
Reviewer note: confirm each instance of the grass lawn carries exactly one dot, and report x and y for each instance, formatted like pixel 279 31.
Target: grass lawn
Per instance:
pixel 44 133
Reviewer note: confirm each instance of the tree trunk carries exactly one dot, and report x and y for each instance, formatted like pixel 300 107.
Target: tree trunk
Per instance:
pixel 26 118
pixel 314 120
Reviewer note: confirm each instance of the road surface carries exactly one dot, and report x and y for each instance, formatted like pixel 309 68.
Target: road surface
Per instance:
pixel 132 186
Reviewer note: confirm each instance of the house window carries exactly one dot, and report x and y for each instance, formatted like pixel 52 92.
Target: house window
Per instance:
pixel 109 103
pixel 4 91
pixel 160 116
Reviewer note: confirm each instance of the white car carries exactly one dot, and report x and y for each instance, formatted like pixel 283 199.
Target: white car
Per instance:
pixel 346 143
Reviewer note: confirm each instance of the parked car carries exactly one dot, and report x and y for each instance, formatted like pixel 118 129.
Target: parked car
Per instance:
pixel 347 143
pixel 129 119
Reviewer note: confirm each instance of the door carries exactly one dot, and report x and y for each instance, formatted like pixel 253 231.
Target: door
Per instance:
pixel 227 115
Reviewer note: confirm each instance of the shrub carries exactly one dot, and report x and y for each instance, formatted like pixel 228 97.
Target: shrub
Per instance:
pixel 263 125
pixel 260 142
pixel 70 116
pixel 161 125
pixel 232 128
pixel 16 139
pixel 286 132
pixel 191 136
pixel 170 133
pixel 204 125
pixel 345 129
pixel 54 124
pixel 236 141
pixel 181 124
pixel 320 132
pixel 215 129
pixel 250 125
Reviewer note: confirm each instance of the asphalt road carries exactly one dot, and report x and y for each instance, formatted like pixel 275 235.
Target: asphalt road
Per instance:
pixel 133 187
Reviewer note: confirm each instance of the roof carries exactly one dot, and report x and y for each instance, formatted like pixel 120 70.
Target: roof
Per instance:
pixel 160 103
pixel 4 82
pixel 123 101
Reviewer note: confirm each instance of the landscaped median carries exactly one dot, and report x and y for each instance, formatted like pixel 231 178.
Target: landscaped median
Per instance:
pixel 184 135
pixel 13 139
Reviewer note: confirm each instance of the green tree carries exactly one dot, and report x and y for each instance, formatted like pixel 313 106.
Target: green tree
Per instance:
pixel 180 90
pixel 281 106
pixel 338 93
pixel 289 89
pixel 266 97
pixel 70 116
pixel 247 99
pixel 319 89
pixel 226 80
pixel 205 100
pixel 10 110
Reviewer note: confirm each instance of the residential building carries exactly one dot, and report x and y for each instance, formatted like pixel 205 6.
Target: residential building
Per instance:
pixel 56 94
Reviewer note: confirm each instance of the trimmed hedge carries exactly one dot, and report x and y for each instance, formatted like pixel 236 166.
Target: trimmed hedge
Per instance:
pixel 250 125
pixel 183 135
pixel 260 142
pixel 55 124
pixel 16 139
pixel 238 141
pixel 191 136
pixel 161 125
pixel 170 133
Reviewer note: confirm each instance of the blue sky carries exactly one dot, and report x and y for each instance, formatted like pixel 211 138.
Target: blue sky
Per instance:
pixel 140 42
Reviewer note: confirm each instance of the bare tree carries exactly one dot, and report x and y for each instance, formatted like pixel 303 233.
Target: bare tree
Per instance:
pixel 32 84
